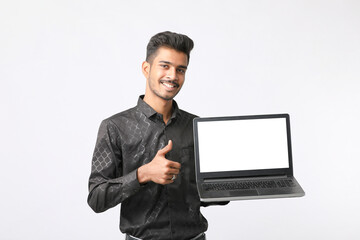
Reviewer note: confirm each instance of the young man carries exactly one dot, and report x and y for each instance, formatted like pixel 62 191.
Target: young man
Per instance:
pixel 144 156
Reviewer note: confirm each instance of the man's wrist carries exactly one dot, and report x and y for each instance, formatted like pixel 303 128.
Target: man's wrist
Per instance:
pixel 141 175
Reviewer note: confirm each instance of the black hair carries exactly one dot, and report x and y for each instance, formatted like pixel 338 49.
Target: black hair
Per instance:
pixel 179 42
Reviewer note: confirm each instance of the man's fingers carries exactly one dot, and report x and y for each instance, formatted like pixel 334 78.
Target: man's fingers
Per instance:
pixel 172 177
pixel 166 149
pixel 164 171
pixel 173 164
pixel 173 171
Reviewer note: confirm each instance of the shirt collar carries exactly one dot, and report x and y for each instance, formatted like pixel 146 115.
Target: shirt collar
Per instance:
pixel 149 111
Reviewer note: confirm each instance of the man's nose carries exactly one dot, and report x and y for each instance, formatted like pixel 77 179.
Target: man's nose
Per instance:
pixel 171 74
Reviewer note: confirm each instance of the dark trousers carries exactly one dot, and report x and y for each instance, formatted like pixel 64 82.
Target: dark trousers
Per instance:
pixel 201 236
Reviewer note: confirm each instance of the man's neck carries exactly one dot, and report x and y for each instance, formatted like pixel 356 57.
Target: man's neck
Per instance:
pixel 164 107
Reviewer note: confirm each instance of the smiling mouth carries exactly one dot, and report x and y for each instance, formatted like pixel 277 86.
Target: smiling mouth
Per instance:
pixel 169 84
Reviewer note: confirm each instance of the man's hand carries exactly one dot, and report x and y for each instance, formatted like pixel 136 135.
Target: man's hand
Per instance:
pixel 159 170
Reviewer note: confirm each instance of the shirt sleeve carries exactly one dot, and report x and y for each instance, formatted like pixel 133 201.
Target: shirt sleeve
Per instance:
pixel 107 186
pixel 206 204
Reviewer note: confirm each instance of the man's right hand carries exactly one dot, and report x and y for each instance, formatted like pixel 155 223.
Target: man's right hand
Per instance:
pixel 160 170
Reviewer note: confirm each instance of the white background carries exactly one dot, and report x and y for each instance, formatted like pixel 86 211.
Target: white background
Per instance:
pixel 66 65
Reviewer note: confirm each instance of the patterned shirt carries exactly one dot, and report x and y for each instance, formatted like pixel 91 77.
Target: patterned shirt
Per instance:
pixel 129 140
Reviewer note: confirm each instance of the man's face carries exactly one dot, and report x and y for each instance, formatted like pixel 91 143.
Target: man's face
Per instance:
pixel 166 74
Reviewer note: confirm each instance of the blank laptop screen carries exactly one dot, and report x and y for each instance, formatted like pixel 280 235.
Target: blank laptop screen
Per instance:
pixel 247 144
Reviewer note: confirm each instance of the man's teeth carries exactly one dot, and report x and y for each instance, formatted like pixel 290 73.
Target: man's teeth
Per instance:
pixel 169 85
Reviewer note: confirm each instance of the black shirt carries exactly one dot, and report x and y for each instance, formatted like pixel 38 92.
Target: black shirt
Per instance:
pixel 129 140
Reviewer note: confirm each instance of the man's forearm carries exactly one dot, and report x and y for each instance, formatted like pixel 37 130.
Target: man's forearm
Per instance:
pixel 105 194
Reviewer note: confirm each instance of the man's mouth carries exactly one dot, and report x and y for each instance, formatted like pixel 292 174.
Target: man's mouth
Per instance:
pixel 169 84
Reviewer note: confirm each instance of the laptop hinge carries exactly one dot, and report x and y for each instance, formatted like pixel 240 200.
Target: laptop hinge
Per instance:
pixel 244 178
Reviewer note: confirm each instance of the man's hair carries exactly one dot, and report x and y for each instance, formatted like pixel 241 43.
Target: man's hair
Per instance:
pixel 176 41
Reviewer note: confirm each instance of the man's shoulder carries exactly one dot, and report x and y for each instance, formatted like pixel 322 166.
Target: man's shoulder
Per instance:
pixel 187 115
pixel 122 117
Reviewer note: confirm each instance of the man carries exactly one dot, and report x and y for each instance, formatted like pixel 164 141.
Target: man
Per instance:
pixel 144 156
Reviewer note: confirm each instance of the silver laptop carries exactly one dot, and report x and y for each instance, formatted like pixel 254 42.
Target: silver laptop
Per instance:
pixel 244 157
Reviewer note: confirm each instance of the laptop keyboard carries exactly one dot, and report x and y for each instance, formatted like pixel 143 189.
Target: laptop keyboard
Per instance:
pixel 239 185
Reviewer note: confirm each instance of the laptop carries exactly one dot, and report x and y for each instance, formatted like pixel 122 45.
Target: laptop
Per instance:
pixel 244 157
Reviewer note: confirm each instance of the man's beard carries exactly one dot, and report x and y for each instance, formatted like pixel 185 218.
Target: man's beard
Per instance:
pixel 166 98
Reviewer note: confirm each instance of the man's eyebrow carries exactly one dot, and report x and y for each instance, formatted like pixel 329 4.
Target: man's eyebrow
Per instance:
pixel 167 62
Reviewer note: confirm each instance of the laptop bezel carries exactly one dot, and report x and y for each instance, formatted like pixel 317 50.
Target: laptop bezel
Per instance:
pixel 247 173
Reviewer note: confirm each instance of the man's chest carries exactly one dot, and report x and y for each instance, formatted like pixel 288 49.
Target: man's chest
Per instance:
pixel 140 141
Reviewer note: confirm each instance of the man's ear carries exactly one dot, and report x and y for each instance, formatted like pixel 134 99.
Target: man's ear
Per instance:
pixel 145 67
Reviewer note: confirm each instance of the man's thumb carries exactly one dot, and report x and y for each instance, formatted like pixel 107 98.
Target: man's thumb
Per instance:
pixel 167 148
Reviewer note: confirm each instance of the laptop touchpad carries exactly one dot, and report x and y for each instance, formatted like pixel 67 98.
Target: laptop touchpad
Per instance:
pixel 243 193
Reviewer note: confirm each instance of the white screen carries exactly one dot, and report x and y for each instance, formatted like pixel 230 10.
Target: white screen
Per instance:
pixel 242 144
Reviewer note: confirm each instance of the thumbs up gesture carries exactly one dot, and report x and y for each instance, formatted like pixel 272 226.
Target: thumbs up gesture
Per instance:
pixel 160 170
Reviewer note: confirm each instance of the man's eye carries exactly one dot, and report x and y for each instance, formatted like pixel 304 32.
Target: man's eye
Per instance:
pixel 164 66
pixel 181 70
